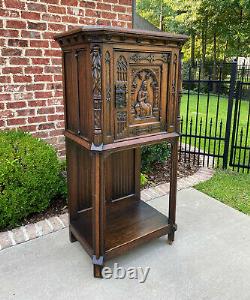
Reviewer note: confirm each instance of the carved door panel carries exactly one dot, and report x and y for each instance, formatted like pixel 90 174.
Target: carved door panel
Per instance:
pixel 141 81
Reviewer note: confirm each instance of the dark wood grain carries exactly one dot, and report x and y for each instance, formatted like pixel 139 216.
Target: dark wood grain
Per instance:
pixel 121 92
pixel 128 224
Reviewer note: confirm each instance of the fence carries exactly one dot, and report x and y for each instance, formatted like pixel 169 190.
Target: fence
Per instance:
pixel 215 113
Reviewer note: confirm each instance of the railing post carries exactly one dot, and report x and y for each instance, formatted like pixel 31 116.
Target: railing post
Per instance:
pixel 229 113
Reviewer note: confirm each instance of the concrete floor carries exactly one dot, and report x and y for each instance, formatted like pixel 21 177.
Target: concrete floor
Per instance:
pixel 210 259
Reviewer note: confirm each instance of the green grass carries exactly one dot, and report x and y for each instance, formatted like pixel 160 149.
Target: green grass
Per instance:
pixel 205 115
pixel 231 188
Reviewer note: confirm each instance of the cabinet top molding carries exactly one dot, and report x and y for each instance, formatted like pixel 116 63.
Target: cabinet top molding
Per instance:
pixel 105 33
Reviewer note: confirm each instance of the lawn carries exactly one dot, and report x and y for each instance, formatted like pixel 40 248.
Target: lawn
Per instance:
pixel 231 188
pixel 211 111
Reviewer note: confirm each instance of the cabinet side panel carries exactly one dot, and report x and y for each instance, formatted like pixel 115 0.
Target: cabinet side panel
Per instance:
pixel 71 93
pixel 72 181
pixel 84 178
pixel 84 99
pixel 123 174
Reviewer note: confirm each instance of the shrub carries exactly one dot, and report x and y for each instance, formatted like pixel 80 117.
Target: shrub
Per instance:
pixel 154 154
pixel 30 176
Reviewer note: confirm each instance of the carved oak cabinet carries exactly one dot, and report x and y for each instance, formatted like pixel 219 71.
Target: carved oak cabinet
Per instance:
pixel 121 91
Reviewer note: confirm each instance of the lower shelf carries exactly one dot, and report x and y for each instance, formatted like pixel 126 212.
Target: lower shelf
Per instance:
pixel 128 224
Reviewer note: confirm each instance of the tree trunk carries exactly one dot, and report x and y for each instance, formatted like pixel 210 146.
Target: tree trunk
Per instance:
pixel 214 76
pixel 161 16
pixel 204 50
pixel 192 48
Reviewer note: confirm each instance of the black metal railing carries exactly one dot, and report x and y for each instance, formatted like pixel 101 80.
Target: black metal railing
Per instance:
pixel 215 112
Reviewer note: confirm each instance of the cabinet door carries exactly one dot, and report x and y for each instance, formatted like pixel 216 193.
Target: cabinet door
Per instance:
pixel 141 92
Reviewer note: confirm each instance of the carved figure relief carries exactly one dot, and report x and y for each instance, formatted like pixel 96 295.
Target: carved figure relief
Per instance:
pixel 144 94
pixel 142 107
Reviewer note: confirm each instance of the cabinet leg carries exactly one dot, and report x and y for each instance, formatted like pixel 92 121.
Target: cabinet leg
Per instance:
pixel 97 271
pixel 173 190
pixel 72 237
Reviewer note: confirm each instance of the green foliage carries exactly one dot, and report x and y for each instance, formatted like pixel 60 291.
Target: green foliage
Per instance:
pixel 30 176
pixel 231 188
pixel 154 154
pixel 221 28
pixel 144 179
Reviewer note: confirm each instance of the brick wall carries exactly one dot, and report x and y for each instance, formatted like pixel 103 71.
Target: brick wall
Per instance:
pixel 30 60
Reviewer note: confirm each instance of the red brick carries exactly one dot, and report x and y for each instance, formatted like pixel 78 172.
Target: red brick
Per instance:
pixel 28 128
pixel 8 33
pixel 125 2
pixel 56 9
pixel 40 61
pixel 46 126
pixel 37 26
pixel 54 44
pixel 22 79
pixel 41 134
pixel 52 69
pixel 103 22
pixel 75 11
pixel 19 61
pixel 50 1
pixel 36 7
pixel 39 44
pixel 39 95
pixel 9 13
pixel 69 19
pixel 51 18
pixel 43 78
pixel 56 61
pixel 38 119
pixel 11 52
pixel 17 43
pixel 45 110
pixel 52 53
pixel 55 117
pixel 5 79
pixel 33 70
pixel 69 2
pixel 5 97
pixel 20 121
pixel 124 17
pixel 16 104
pixel 31 34
pixel 25 112
pixel 12 70
pixel 109 15
pixel 88 4
pixel 57 77
pixel 2 42
pixel 92 13
pixel 103 6
pixel 33 52
pixel 15 24
pixel 56 27
pixel 6 114
pixel 30 15
pixel 118 8
pixel 36 103
pixel 14 4
pixel 34 87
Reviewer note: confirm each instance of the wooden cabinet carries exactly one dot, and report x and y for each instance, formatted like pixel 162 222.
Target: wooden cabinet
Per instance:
pixel 121 91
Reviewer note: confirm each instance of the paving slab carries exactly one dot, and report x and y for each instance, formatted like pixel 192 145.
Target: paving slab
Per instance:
pixel 210 259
